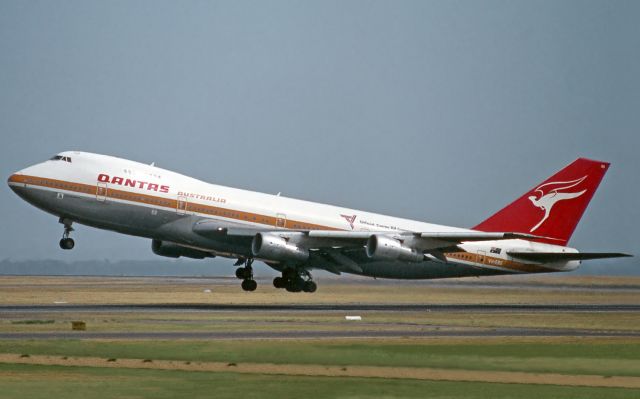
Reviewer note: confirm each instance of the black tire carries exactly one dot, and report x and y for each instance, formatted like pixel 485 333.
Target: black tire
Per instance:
pixel 295 285
pixel 279 282
pixel 309 286
pixel 240 273
pixel 67 243
pixel 249 285
pixel 244 273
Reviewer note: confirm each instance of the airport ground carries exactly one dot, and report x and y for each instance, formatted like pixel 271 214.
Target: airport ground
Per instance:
pixel 497 337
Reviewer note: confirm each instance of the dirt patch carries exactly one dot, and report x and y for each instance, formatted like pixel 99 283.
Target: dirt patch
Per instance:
pixel 507 377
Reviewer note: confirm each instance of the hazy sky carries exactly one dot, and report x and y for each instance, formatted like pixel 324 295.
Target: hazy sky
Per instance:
pixel 436 111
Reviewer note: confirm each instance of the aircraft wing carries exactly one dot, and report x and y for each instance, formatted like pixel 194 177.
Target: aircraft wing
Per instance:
pixel 317 239
pixel 332 242
pixel 447 238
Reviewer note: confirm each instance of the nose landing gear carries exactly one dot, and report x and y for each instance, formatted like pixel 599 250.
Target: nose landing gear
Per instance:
pixel 66 242
pixel 246 275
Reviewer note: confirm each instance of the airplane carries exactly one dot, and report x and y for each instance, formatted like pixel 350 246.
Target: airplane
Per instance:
pixel 187 217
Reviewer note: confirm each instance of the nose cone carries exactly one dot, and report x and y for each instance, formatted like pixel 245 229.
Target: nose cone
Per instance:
pixel 18 184
pixel 15 180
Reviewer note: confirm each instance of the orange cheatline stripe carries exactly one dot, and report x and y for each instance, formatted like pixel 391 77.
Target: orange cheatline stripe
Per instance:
pixel 154 200
pixel 498 262
pixel 237 215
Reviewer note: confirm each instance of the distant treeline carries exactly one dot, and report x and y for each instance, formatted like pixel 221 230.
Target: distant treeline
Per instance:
pixel 191 268
pixel 160 267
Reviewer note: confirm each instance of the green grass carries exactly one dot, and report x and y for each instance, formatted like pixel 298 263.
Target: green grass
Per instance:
pixel 28 381
pixel 590 357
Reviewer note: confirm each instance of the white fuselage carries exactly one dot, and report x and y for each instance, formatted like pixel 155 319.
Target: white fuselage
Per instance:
pixel 139 199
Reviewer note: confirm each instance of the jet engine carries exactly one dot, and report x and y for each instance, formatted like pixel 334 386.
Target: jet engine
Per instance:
pixel 386 248
pixel 273 247
pixel 172 250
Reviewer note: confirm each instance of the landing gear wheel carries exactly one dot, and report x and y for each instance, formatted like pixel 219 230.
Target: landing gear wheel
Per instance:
pixel 295 285
pixel 242 273
pixel 295 280
pixel 67 243
pixel 246 272
pixel 279 282
pixel 249 285
pixel 309 286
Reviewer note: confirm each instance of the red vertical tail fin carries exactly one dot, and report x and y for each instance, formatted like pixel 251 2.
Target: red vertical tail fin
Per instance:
pixel 554 207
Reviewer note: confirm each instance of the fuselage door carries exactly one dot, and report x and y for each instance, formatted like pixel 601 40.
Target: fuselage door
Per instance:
pixel 101 192
pixel 482 257
pixel 281 220
pixel 181 206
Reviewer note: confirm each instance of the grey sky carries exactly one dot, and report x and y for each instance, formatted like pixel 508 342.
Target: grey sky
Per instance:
pixel 437 111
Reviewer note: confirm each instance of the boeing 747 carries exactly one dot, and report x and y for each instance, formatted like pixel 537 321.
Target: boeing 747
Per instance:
pixel 187 217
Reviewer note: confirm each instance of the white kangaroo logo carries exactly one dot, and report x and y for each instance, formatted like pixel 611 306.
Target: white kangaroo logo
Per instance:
pixel 548 200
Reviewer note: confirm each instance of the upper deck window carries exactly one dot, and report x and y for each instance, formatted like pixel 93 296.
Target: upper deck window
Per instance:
pixel 60 158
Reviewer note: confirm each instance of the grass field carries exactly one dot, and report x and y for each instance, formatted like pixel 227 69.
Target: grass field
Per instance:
pixel 438 367
pixel 27 381
pixel 98 290
pixel 606 357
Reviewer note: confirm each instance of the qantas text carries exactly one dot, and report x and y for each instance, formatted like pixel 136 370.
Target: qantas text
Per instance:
pixel 104 178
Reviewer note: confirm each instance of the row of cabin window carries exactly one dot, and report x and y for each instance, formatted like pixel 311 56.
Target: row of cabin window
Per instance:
pixel 158 202
pixel 59 185
pixel 302 226
pixel 165 203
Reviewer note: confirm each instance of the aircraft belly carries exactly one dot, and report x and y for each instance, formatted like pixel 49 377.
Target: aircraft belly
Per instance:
pixel 129 219
pixel 110 215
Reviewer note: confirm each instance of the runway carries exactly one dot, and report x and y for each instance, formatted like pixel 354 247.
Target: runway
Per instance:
pixel 215 309
pixel 273 329
pixel 267 308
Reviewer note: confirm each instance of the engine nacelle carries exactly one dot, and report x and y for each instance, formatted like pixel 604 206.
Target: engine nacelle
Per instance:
pixel 387 248
pixel 172 250
pixel 273 247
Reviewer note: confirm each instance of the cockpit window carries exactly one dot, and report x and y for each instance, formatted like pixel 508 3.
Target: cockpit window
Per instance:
pixel 60 158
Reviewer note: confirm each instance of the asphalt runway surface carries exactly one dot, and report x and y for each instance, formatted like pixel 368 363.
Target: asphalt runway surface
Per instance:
pixel 355 330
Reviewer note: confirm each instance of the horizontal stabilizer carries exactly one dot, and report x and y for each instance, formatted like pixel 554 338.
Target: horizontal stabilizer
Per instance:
pixel 565 256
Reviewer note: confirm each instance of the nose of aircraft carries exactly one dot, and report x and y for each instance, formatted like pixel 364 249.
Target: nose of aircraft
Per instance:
pixel 15 180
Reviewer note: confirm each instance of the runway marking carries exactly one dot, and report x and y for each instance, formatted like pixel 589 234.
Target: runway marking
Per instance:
pixel 413 373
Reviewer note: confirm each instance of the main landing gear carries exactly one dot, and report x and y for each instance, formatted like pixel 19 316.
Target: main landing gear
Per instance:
pixel 295 281
pixel 66 242
pixel 246 275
